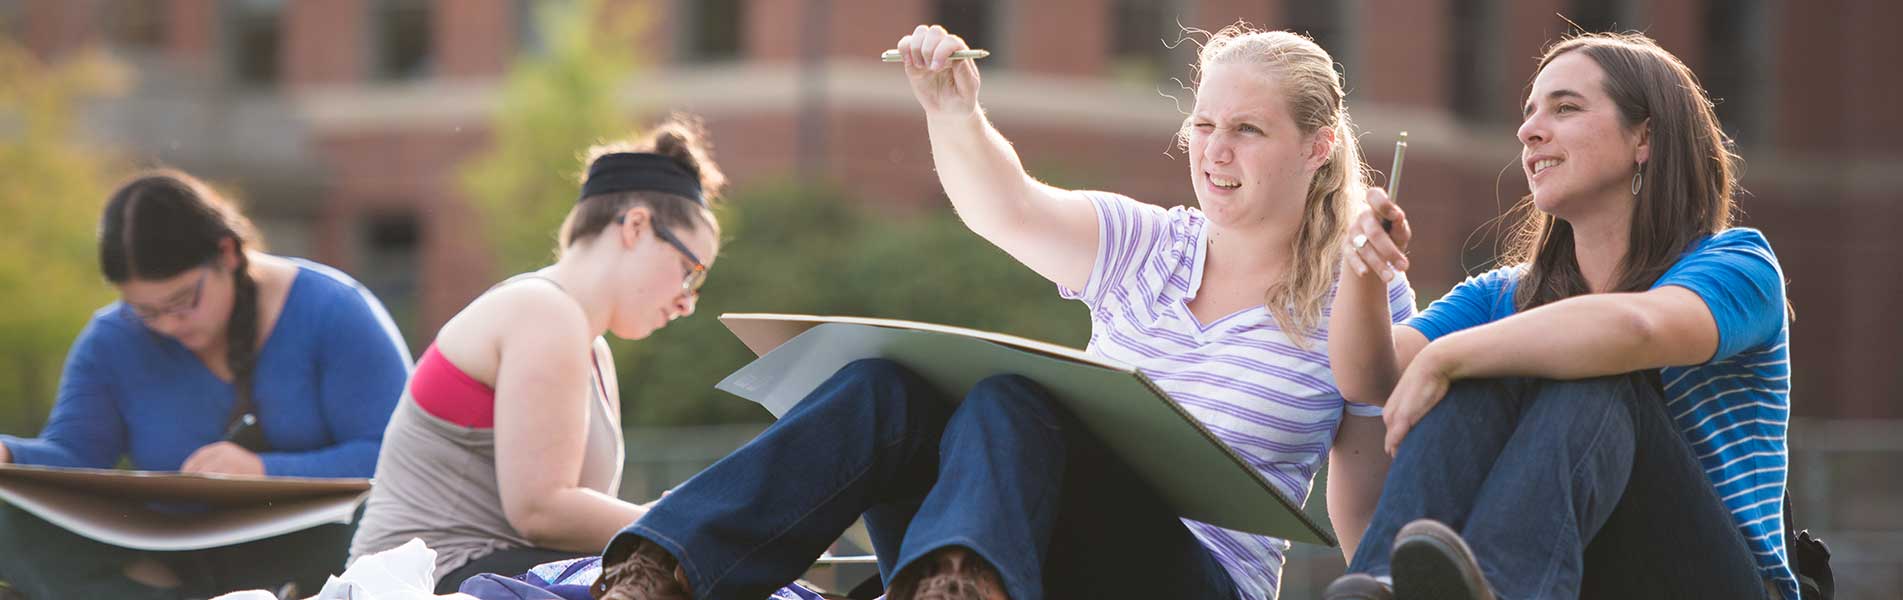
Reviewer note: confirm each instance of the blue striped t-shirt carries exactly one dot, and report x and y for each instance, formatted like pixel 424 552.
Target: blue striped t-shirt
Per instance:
pixel 1734 408
pixel 1270 400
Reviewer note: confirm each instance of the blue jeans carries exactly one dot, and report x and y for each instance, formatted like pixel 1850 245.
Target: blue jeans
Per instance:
pixel 1006 473
pixel 1565 489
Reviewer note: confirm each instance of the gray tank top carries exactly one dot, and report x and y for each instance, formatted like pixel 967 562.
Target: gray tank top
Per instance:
pixel 436 481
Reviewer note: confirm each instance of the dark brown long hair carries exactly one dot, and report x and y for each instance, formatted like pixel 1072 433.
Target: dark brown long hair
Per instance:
pixel 1688 180
pixel 164 222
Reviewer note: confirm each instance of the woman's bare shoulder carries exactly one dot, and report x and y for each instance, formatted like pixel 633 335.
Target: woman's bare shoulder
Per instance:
pixel 525 314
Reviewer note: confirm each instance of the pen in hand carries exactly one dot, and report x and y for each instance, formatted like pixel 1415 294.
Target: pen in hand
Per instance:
pixel 245 433
pixel 238 426
pixel 1394 177
pixel 973 54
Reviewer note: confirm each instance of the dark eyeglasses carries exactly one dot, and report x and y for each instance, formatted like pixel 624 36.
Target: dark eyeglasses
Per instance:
pixel 696 275
pixel 176 308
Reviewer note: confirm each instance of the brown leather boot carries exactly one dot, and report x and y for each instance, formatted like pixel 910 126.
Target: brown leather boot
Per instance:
pixel 948 574
pixel 648 573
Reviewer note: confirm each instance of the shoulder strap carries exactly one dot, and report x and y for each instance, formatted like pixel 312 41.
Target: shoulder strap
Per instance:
pixel 1790 524
pixel 524 277
pixel 1809 558
pixel 601 381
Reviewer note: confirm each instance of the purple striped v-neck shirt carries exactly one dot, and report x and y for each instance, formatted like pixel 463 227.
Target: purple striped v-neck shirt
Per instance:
pixel 1273 402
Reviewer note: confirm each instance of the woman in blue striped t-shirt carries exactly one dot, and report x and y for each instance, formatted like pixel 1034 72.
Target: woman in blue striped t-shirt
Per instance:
pixel 1604 416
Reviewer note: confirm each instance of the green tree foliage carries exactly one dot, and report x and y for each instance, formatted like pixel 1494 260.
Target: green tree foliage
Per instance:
pixel 51 189
pixel 809 249
pixel 555 104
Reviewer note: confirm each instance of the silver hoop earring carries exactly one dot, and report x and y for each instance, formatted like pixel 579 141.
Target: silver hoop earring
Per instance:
pixel 1638 181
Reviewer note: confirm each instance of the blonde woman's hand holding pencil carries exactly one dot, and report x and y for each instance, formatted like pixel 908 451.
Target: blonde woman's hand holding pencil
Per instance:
pixel 943 86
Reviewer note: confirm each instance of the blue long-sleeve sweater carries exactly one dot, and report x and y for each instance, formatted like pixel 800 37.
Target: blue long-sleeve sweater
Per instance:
pixel 327 378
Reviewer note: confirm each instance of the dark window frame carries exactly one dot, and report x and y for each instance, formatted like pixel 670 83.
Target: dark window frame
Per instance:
pixel 136 24
pixel 416 59
pixel 1328 23
pixel 251 32
pixel 389 248
pixel 1474 73
pixel 980 22
pixel 714 31
pixel 1599 16
pixel 1145 41
pixel 1736 61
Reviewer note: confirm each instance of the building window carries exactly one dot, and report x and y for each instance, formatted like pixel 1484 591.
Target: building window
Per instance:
pixel 1598 16
pixel 974 20
pixel 135 24
pixel 1471 60
pixel 1322 22
pixel 253 40
pixel 714 30
pixel 1139 39
pixel 403 39
pixel 1734 63
pixel 10 19
pixel 530 39
pixel 388 251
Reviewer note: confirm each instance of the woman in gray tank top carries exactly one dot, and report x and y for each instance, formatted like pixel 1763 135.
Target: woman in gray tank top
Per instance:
pixel 506 451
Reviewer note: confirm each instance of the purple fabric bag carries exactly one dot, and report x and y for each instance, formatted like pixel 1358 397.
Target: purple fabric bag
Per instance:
pixel 490 586
pixel 569 580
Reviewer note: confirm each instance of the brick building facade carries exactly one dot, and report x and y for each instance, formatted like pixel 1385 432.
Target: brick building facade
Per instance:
pixel 343 120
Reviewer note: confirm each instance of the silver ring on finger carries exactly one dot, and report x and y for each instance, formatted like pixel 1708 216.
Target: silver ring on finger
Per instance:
pixel 1359 241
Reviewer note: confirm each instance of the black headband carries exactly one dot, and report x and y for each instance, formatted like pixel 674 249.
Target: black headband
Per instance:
pixel 640 172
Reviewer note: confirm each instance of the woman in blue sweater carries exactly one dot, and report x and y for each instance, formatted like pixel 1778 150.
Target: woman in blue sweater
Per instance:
pixel 209 332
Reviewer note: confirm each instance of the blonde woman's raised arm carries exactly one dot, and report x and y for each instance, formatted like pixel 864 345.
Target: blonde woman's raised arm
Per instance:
pixel 1051 230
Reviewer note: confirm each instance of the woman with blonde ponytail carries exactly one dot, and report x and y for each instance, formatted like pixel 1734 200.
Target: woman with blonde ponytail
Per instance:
pixel 218 359
pixel 1006 495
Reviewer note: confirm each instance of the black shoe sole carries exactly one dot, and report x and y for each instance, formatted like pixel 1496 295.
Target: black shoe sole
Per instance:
pixel 1427 568
pixel 1357 586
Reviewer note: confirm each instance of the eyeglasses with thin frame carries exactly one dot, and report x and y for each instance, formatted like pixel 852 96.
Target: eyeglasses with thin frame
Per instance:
pixel 178 307
pixel 696 275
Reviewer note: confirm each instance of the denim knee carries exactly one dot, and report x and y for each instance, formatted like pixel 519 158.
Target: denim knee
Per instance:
pixel 895 400
pixel 1012 396
pixel 1008 384
pixel 1585 413
pixel 1469 403
pixel 1595 392
pixel 876 371
pixel 883 381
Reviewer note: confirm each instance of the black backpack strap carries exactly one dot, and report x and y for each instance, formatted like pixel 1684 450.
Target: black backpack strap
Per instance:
pixel 1809 558
pixel 1790 529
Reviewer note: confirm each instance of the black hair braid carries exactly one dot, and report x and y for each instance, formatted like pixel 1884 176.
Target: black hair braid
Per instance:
pixel 241 332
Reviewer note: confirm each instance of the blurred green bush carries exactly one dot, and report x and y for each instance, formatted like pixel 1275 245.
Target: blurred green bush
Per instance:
pixel 52 187
pixel 809 249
